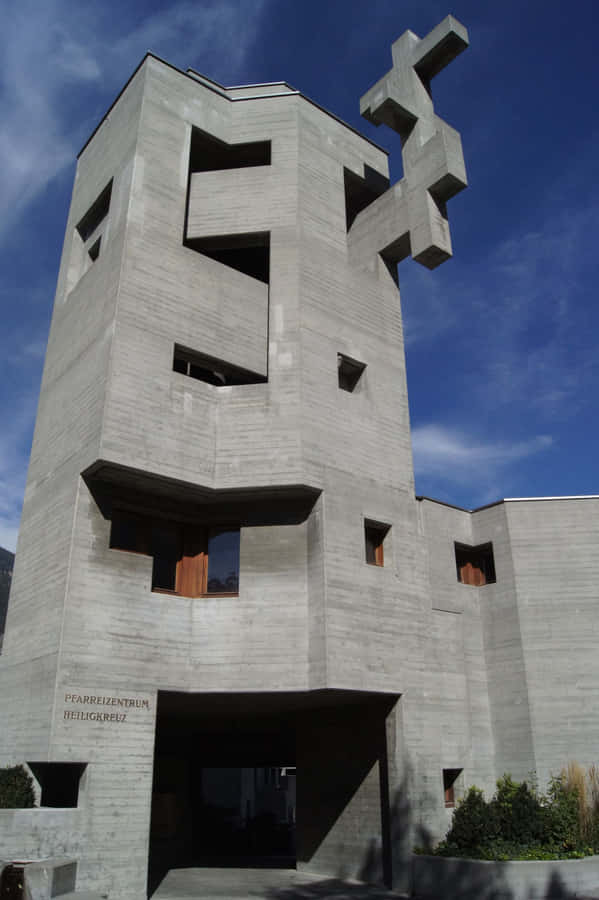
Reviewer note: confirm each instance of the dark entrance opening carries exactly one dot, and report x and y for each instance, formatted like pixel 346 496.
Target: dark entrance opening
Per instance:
pixel 225 773
pixel 224 785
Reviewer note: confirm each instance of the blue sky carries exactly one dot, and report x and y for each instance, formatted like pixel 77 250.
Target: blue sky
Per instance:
pixel 503 372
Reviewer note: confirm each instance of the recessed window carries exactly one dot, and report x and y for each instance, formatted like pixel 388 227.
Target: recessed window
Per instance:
pixel 59 782
pixel 475 565
pixel 211 370
pixel 189 560
pixel 374 538
pixel 94 250
pixel 95 214
pixel 88 238
pixel 208 153
pixel 349 372
pixel 450 777
pixel 247 253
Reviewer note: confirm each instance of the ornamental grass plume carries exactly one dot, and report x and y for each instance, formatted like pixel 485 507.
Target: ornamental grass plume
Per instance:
pixel 585 784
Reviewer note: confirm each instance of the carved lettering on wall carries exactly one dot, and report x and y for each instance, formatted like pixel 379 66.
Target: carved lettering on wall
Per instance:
pixel 100 700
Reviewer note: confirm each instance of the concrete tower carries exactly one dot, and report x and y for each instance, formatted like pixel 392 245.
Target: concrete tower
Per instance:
pixel 221 561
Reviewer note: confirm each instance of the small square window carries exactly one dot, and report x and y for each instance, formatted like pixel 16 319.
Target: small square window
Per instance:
pixel 475 565
pixel 349 372
pixel 450 777
pixel 374 537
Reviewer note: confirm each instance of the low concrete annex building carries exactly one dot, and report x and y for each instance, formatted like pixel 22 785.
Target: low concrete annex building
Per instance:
pixel 225 590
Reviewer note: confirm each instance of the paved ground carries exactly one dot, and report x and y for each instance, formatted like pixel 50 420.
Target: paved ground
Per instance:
pixel 262 884
pixel 274 884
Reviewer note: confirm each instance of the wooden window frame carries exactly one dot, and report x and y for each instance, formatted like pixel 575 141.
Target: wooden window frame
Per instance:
pixel 475 565
pixel 192 564
pixel 450 777
pixel 376 532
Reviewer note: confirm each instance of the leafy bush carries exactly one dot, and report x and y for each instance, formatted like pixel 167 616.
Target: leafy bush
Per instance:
pixel 518 823
pixel 16 788
pixel 471 819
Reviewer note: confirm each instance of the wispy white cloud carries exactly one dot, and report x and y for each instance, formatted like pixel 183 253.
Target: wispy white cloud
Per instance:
pixel 452 456
pixel 14 446
pixel 56 56
pixel 511 321
pixel 455 453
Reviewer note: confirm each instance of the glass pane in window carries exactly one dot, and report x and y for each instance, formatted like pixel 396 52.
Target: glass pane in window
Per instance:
pixel 223 561
pixel 166 549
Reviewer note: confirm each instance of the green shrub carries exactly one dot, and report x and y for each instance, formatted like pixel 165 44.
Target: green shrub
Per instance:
pixel 517 812
pixel 518 823
pixel 16 788
pixel 472 824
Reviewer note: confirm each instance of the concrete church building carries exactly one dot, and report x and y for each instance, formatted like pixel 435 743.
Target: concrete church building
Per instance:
pixel 234 632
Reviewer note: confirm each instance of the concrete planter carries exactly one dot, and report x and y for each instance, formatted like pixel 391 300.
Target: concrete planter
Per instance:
pixel 39 833
pixel 477 879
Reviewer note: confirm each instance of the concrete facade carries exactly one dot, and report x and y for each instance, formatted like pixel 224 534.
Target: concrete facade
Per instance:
pixel 349 648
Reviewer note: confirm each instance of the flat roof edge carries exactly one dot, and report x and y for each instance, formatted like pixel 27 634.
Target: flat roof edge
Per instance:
pixel 221 91
pixel 421 497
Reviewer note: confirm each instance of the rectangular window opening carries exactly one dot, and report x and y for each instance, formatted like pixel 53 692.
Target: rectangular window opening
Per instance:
pixel 209 153
pixel 475 565
pixel 211 370
pixel 450 777
pixel 374 538
pixel 95 214
pixel 349 372
pixel 187 560
pixel 246 253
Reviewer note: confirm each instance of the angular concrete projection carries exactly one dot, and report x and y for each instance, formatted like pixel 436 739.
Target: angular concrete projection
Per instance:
pixel 411 217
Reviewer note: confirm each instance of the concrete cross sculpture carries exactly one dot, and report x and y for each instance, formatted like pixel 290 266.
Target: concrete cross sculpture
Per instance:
pixel 411 217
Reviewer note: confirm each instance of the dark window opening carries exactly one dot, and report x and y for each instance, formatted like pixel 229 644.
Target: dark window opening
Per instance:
pixel 349 372
pixel 59 782
pixel 188 560
pixel 94 250
pixel 450 777
pixel 95 214
pixel 475 565
pixel 247 253
pixel 130 532
pixel 211 370
pixel 360 192
pixel 166 549
pixel 209 154
pixel 374 537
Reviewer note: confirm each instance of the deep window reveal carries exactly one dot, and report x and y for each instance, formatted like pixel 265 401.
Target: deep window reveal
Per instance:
pixel 188 560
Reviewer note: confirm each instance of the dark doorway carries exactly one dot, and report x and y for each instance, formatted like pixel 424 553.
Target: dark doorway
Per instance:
pixel 224 787
pixel 224 791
